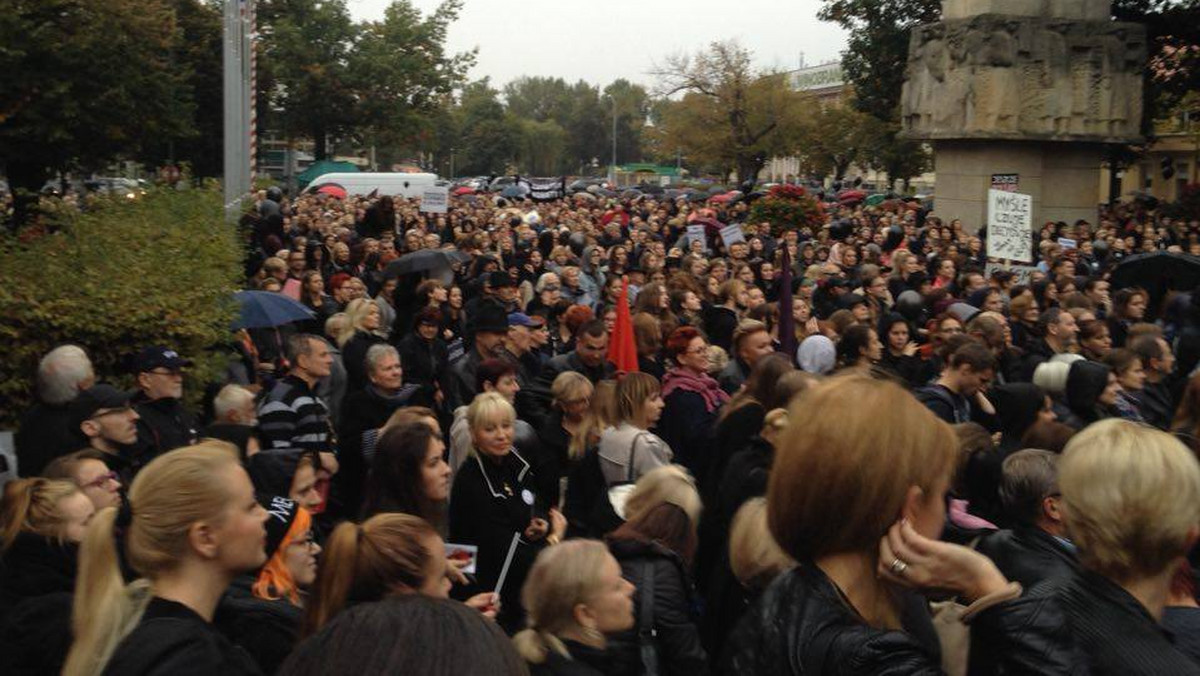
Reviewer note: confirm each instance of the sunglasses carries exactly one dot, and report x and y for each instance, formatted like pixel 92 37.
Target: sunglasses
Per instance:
pixel 101 480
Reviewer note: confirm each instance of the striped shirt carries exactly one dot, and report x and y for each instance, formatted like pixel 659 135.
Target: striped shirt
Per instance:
pixel 293 416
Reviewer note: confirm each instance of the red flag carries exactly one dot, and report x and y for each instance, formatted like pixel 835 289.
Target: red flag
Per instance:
pixel 622 350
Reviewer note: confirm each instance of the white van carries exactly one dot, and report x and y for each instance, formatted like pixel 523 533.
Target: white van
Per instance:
pixel 395 184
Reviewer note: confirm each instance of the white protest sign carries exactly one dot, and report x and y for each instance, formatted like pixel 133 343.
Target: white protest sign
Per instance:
pixel 1022 274
pixel 435 200
pixel 695 233
pixel 731 234
pixel 1067 243
pixel 1010 226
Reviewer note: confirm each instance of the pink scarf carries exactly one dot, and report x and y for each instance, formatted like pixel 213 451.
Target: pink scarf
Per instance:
pixel 702 384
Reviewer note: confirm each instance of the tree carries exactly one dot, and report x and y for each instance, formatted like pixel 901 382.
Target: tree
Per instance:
pixel 83 81
pixel 729 113
pixel 400 71
pixel 884 150
pixel 542 145
pixel 488 139
pixel 633 109
pixel 832 139
pixel 305 54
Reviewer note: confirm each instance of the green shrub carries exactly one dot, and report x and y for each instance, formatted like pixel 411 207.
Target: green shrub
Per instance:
pixel 124 275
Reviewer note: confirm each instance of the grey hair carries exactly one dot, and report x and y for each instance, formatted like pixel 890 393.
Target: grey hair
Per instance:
pixel 61 371
pixel 545 279
pixel 230 398
pixel 1028 478
pixel 377 352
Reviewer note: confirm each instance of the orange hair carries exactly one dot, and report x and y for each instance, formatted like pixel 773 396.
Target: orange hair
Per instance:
pixel 275 580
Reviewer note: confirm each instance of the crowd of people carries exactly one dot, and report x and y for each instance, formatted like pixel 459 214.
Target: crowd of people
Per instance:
pixel 852 448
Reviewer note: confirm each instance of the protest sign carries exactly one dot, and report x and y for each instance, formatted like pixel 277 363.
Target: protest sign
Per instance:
pixel 1022 274
pixel 435 200
pixel 1010 226
pixel 1067 243
pixel 1006 182
pixel 731 234
pixel 695 233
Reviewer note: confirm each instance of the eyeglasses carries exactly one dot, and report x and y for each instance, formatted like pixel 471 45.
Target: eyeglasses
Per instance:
pixel 100 480
pixel 307 540
pixel 697 350
pixel 551 287
pixel 166 372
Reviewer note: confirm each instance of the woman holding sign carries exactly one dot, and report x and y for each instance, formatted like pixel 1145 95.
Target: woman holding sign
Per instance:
pixel 494 505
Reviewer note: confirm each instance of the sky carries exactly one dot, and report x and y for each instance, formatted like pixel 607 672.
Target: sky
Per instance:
pixel 602 41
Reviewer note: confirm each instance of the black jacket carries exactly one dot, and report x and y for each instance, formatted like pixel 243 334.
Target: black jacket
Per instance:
pixel 354 358
pixel 1028 555
pixel 1107 631
pixel 1156 404
pixel 584 661
pixel 719 324
pixel 687 426
pixel 265 629
pixel 425 362
pixel 462 380
pixel 45 433
pixel 801 625
pixel 172 640
pixel 491 501
pixel 37 579
pixel 533 402
pixel 677 637
pixel 163 425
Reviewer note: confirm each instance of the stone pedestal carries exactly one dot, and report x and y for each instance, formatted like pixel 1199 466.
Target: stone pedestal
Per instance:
pixel 1031 87
pixel 1061 178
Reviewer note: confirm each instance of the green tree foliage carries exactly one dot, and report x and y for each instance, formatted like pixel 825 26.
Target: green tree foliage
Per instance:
pixel 161 270
pixel 487 139
pixel 401 72
pixel 730 115
pixel 633 110
pixel 84 81
pixel 884 150
pixel 833 138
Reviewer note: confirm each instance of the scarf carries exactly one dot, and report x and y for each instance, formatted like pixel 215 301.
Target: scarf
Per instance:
pixel 702 384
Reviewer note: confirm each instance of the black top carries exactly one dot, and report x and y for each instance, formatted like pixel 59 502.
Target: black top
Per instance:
pixel 354 358
pixel 265 629
pixel 584 661
pixel 173 640
pixel 1183 623
pixel 1028 555
pixel 44 433
pixel 163 425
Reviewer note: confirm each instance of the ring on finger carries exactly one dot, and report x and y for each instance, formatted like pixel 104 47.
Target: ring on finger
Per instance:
pixel 898 567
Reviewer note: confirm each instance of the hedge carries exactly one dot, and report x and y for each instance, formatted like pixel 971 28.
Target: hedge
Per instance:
pixel 160 270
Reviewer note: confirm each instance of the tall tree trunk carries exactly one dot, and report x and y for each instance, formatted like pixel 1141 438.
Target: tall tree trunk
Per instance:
pixel 25 180
pixel 320 148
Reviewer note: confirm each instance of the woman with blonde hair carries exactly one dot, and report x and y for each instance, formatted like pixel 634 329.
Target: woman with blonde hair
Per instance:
pixel 356 337
pixel 576 597
pixel 655 547
pixel 42 522
pixel 571 428
pixel 495 502
pixel 863 532
pixel 190 526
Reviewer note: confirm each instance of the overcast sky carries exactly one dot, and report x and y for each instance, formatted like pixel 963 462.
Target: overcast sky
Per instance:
pixel 602 41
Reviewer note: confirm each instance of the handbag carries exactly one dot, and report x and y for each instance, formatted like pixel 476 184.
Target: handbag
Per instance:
pixel 647 634
pixel 618 493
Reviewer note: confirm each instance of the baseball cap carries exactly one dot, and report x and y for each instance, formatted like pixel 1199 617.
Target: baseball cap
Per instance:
pixel 500 279
pixel 157 356
pixel 98 397
pixel 521 319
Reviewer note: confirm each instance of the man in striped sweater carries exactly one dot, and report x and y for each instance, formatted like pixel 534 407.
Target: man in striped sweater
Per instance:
pixel 293 416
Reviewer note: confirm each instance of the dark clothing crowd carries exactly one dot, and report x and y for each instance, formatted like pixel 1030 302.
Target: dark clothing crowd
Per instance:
pixel 560 355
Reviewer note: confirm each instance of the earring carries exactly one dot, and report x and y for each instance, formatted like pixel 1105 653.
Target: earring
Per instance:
pixel 593 633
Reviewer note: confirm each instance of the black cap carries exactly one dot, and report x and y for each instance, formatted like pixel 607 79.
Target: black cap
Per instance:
pixel 158 357
pixel 98 397
pixel 281 513
pixel 500 279
pixel 491 318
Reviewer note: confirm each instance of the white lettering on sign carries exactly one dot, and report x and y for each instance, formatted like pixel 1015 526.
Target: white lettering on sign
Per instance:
pixel 1010 226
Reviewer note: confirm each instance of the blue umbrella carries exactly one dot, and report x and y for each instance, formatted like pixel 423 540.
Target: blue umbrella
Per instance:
pixel 265 309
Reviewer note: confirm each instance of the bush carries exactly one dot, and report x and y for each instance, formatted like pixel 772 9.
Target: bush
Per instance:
pixel 120 277
pixel 788 207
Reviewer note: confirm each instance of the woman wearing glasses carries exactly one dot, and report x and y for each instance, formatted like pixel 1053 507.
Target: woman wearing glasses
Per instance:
pixel 86 469
pixel 262 611
pixel 692 398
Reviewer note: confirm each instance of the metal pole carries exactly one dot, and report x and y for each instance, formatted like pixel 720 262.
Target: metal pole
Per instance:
pixel 234 132
pixel 614 135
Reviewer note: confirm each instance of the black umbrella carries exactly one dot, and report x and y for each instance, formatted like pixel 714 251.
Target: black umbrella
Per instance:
pixel 425 259
pixel 630 193
pixel 1157 273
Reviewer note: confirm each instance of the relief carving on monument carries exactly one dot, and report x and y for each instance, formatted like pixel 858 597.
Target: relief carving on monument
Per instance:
pixel 996 76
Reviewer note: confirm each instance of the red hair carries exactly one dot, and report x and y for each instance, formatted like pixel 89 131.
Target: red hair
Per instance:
pixel 275 580
pixel 337 281
pixel 680 338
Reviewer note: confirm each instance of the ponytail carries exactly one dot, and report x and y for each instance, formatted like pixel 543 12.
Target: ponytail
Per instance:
pixel 535 645
pixel 32 506
pixel 105 609
pixel 368 562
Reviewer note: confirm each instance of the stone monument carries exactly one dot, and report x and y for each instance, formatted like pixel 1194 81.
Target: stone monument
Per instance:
pixel 1026 90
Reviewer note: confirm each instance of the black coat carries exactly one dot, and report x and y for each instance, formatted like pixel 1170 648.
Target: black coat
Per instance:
pixel 489 503
pixel 354 358
pixel 265 629
pixel 45 433
pixel 425 362
pixel 719 324
pixel 801 625
pixel 164 425
pixel 1106 629
pixel 533 402
pixel 584 661
pixel 37 580
pixel 677 637
pixel 1028 555
pixel 687 425
pixel 173 640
